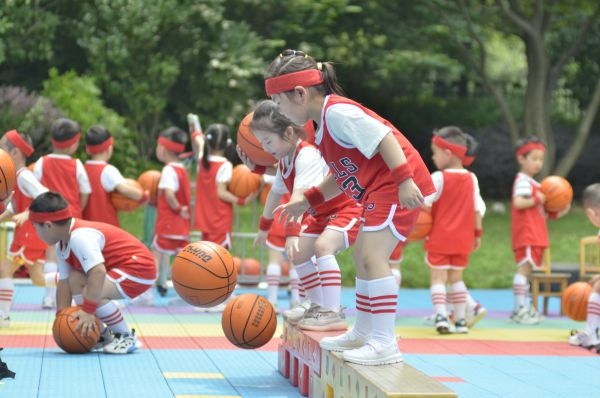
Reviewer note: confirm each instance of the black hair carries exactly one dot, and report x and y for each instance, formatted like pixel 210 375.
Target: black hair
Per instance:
pixel 48 202
pixel 591 196
pixel 217 138
pixel 527 140
pixel 452 134
pixel 472 145
pixel 64 129
pixel 267 117
pixel 97 135
pixel 175 134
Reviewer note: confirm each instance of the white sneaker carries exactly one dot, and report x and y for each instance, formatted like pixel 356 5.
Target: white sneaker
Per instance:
pixel 106 337
pixel 582 339
pixel 374 353
pixel 48 303
pixel 122 343
pixel 324 320
pixel 460 327
pixel 442 325
pixel 346 341
pixel 4 322
pixel 526 316
pixel 297 313
pixel 475 314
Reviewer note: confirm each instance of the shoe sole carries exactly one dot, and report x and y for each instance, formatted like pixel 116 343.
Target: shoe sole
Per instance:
pixel 443 329
pixel 337 348
pixel 339 326
pixel 477 318
pixel 388 360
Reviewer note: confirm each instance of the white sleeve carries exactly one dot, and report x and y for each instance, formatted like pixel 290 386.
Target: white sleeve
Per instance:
pixel 87 244
pixel 479 202
pixel 64 269
pixel 523 188
pixel 438 182
pixel 351 127
pixel 278 184
pixel 29 185
pixel 110 178
pixel 82 178
pixel 168 179
pixel 224 173
pixel 310 168
pixel 37 168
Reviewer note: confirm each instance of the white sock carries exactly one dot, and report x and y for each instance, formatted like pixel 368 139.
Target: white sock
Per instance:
pixel 163 270
pixel 383 295
pixel 458 298
pixel 363 326
pixel 471 303
pixel 331 281
pixel 111 315
pixel 310 282
pixel 438 298
pixel 273 279
pixel 397 274
pixel 50 277
pixel 294 286
pixel 7 289
pixel 593 313
pixel 520 290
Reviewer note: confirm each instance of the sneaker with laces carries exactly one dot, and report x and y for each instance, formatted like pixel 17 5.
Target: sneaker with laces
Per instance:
pixel 122 343
pixel 295 314
pixel 346 341
pixel 374 353
pixel 526 316
pixel 162 290
pixel 475 314
pixel 106 337
pixel 583 339
pixel 324 320
pixel 461 327
pixel 4 322
pixel 48 303
pixel 442 325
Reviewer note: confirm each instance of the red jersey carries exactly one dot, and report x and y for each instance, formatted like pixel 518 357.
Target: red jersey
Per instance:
pixel 453 229
pixel 99 207
pixel 91 243
pixel 168 222
pixel 24 234
pixel 59 174
pixel 527 226
pixel 359 177
pixel 211 214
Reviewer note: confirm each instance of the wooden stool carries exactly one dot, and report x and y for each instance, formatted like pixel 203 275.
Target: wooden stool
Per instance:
pixel 541 285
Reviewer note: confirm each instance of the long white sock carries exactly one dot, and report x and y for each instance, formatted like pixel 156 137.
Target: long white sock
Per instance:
pixel 294 286
pixel 310 282
pixel 163 270
pixel 7 289
pixel 50 277
pixel 384 301
pixel 273 279
pixel 111 315
pixel 520 290
pixel 331 281
pixel 458 298
pixel 438 298
pixel 471 303
pixel 363 326
pixel 397 274
pixel 593 313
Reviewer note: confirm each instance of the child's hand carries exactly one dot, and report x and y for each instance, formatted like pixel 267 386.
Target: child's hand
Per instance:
pixel 86 324
pixel 185 212
pixel 245 158
pixel 541 197
pixel 291 247
pixel 20 218
pixel 261 238
pixel 250 198
pixel 409 195
pixel 564 212
pixel 477 243
pixel 291 211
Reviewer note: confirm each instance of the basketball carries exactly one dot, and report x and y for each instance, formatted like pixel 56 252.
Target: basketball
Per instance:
pixel 249 321
pixel 122 202
pixel 8 174
pixel 575 300
pixel 149 182
pixel 250 266
pixel 243 181
pixel 251 146
pixel 558 192
pixel 204 274
pixel 422 226
pixel 264 193
pixel 69 340
pixel 237 261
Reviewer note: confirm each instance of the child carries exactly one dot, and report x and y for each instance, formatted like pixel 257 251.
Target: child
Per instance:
pixel 333 226
pixel 98 263
pixel 213 209
pixel 457 210
pixel 172 229
pixel 26 247
pixel 529 232
pixel 589 337
pixel 60 172
pixel 105 178
pixel 373 163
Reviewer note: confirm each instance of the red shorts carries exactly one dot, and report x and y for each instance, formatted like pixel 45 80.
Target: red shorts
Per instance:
pixel 529 254
pixel 446 261
pixel 220 238
pixel 130 286
pixel 379 213
pixel 346 220
pixel 167 245
pixel 26 255
pixel 276 235
pixel 396 256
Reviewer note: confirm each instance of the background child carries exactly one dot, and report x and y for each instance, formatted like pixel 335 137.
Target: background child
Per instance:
pixel 589 337
pixel 529 232
pixel 98 263
pixel 172 229
pixel 456 209
pixel 373 163
pixel 26 247
pixel 105 178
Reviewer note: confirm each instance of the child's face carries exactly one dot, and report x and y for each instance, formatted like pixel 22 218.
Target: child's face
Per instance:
pixel 441 157
pixel 292 105
pixel 532 162
pixel 160 153
pixel 274 144
pixel 47 232
pixel 593 214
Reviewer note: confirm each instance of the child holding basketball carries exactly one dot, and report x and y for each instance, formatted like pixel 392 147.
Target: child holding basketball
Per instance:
pixel 457 210
pixel 589 337
pixel 26 247
pixel 529 231
pixel 105 178
pixel 172 230
pixel 371 162
pixel 98 263
pixel 331 227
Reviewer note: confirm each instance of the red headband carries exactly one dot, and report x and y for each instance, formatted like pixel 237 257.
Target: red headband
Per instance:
pixel 97 148
pixel 15 138
pixel 468 160
pixel 66 143
pixel 530 146
pixel 456 149
pixel 287 82
pixel 172 146
pixel 58 215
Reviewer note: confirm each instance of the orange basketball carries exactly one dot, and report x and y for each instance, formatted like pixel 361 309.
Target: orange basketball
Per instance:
pixel 251 146
pixel 243 181
pixel 249 321
pixel 122 202
pixel 8 175
pixel 575 300
pixel 559 193
pixel 422 227
pixel 204 274
pixel 264 193
pixel 69 340
pixel 149 182
pixel 237 261
pixel 250 266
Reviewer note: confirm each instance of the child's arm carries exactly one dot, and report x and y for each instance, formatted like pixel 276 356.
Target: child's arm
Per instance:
pixel 63 295
pixel 92 296
pixel 269 170
pixel 6 215
pixel 293 210
pixel 226 196
pixel 478 230
pixel 266 220
pixel 174 204
pixel 131 192
pixel 525 202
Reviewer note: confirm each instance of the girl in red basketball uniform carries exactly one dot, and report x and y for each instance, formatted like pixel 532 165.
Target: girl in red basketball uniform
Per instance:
pixel 457 210
pixel 105 178
pixel 172 229
pixel 26 247
pixel 98 263
pixel 529 231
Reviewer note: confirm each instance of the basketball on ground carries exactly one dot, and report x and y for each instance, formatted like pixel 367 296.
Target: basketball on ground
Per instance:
pixel 575 300
pixel 69 340
pixel 422 226
pixel 149 181
pixel 243 181
pixel 249 321
pixel 251 146
pixel 558 192
pixel 204 274
pixel 122 202
pixel 8 175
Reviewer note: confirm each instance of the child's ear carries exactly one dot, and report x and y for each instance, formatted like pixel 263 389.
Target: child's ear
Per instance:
pixel 593 214
pixel 289 133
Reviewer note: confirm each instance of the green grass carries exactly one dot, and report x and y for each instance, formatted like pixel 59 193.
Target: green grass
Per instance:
pixel 491 267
